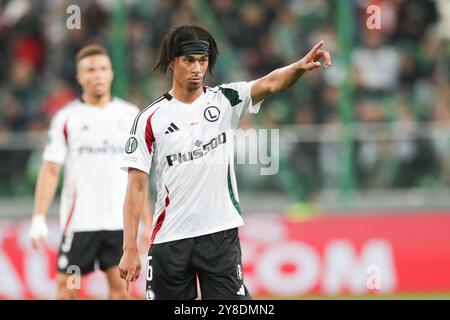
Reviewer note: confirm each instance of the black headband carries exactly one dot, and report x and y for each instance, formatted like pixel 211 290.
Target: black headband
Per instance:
pixel 193 47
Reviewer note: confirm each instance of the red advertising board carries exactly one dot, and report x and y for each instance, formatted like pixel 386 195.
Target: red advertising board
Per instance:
pixel 334 254
pixel 348 254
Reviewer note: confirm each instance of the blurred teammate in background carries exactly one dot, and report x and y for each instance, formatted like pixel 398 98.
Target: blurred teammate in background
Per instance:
pixel 87 137
pixel 186 132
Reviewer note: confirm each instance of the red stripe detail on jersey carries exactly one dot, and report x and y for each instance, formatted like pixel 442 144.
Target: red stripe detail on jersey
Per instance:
pixel 161 218
pixel 66 137
pixel 149 137
pixel 69 218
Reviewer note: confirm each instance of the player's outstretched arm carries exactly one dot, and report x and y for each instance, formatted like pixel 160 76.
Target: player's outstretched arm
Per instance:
pixel 46 185
pixel 130 264
pixel 284 78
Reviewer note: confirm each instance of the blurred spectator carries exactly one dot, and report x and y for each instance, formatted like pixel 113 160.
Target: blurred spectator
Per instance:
pixel 13 118
pixel 28 49
pixel 443 28
pixel 441 120
pixel 371 154
pixel 161 20
pixel 138 43
pixel 60 95
pixel 311 14
pixel 303 161
pixel 23 89
pixel 226 12
pixel 376 66
pixel 328 108
pixel 95 19
pixel 415 18
pixel 408 57
pixel 185 13
pixel 286 33
pixel 263 60
pixel 252 23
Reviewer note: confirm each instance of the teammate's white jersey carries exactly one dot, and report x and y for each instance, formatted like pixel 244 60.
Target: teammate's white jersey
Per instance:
pixel 192 150
pixel 90 141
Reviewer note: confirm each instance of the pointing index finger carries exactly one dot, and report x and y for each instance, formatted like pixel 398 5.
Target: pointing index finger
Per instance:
pixel 315 48
pixel 128 279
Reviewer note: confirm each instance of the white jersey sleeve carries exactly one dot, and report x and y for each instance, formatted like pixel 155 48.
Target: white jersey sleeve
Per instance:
pixel 242 102
pixel 139 146
pixel 56 148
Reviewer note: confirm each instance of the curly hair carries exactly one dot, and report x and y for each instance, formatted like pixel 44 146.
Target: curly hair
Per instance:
pixel 171 43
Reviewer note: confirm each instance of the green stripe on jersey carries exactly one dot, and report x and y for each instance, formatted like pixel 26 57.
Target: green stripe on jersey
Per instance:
pixel 232 95
pixel 230 191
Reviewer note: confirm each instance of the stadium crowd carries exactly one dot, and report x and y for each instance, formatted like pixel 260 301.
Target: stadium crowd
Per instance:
pixel 401 73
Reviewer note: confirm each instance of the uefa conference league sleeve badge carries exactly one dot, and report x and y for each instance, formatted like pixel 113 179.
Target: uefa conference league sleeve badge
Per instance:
pixel 131 145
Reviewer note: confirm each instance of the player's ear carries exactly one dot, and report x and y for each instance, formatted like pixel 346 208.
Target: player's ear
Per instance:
pixel 171 64
pixel 112 69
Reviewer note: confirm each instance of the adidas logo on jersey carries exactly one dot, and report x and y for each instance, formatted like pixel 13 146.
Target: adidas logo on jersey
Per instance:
pixel 241 291
pixel 172 128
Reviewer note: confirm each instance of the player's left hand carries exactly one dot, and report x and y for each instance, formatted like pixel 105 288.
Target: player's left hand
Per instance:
pixel 38 231
pixel 311 60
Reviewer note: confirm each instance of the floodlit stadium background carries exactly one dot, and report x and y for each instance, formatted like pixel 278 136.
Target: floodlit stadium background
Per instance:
pixel 360 206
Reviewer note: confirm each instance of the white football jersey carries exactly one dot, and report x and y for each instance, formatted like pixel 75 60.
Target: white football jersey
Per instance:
pixel 89 141
pixel 191 146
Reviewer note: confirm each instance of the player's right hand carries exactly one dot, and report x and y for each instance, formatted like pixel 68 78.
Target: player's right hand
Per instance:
pixel 311 60
pixel 130 267
pixel 38 231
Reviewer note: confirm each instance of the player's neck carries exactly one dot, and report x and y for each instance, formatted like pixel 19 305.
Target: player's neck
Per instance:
pixel 185 96
pixel 100 101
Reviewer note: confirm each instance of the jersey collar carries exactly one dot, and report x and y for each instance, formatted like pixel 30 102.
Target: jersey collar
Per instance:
pixel 169 97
